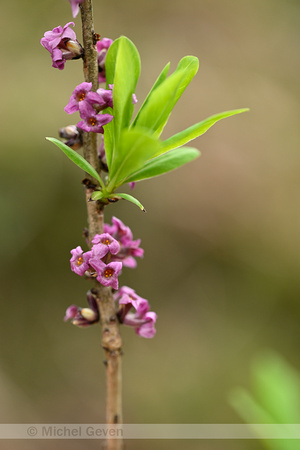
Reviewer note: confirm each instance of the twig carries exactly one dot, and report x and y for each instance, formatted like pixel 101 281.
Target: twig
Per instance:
pixel 111 339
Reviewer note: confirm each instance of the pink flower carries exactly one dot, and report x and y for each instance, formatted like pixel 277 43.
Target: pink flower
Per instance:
pixel 103 244
pixel 83 94
pixel 75 6
pixel 129 248
pixel 107 274
pixel 62 45
pixel 147 328
pixel 102 47
pixel 71 312
pixel 79 94
pixel 130 251
pixel 134 99
pixel 122 232
pixel 143 320
pixel 127 296
pixel 91 120
pixel 80 261
pixel 106 96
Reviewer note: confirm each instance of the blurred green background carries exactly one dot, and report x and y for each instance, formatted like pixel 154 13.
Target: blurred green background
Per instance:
pixel 221 235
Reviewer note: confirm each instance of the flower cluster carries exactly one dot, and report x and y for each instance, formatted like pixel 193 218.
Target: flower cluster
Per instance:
pixel 142 320
pixel 62 45
pixel 110 251
pixel 95 263
pixel 115 247
pixel 89 104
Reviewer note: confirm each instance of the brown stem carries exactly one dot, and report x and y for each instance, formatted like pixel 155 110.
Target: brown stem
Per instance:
pixel 111 339
pixel 90 66
pixel 90 70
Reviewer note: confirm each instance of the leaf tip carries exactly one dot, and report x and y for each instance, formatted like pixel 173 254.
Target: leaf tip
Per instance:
pixel 242 110
pixel 51 139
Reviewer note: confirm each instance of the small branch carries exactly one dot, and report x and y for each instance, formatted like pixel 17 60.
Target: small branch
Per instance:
pixel 90 66
pixel 111 339
pixel 112 345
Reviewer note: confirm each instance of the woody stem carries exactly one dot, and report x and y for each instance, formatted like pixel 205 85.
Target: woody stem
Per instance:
pixel 111 339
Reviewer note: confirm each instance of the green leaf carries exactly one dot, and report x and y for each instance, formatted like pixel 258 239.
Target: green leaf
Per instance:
pixel 135 148
pixel 154 114
pixel 160 79
pixel 277 387
pixel 275 399
pixel 196 130
pixel 165 163
pixel 248 408
pixel 256 416
pixel 77 159
pixel 108 138
pixel 131 199
pixel 189 65
pixel 97 195
pixel 122 66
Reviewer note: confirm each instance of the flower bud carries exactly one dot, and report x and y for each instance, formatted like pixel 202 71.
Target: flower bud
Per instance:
pixel 89 314
pixel 74 48
pixel 83 317
pixel 73 136
pixel 69 132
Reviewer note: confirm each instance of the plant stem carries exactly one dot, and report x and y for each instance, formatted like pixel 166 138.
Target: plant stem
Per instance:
pixel 111 339
pixel 90 70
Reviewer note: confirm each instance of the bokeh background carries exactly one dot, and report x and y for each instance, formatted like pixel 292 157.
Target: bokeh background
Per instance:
pixel 221 235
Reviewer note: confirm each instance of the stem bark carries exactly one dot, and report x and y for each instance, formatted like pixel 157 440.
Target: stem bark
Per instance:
pixel 111 339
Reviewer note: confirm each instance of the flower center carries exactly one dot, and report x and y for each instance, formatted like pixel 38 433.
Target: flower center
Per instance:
pixel 92 121
pixel 80 96
pixel 79 261
pixel 106 241
pixel 108 273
